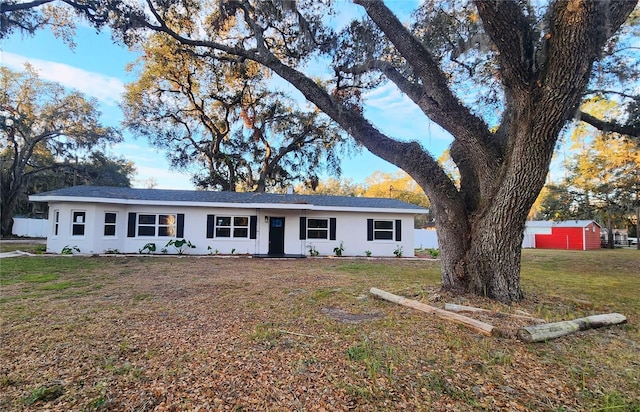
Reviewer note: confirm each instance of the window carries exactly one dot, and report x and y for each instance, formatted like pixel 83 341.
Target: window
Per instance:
pixel 317 228
pixel 110 223
pixel 56 222
pixel 383 230
pixel 232 226
pixel 160 225
pixel 78 223
pixel 239 227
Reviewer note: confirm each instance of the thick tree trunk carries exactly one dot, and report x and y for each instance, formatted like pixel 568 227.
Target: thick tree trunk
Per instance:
pixel 8 203
pixel 485 258
pixel 488 264
pixel 7 225
pixel 6 221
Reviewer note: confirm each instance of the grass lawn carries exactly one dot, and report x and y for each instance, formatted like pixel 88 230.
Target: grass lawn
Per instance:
pixel 25 245
pixel 178 333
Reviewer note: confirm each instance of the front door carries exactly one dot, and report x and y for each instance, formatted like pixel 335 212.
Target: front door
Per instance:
pixel 276 235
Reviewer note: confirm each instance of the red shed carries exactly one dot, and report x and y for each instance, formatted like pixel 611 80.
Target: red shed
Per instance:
pixel 570 235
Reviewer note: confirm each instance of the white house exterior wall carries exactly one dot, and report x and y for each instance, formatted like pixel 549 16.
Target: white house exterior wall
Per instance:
pixel 351 230
pixel 64 237
pixel 194 231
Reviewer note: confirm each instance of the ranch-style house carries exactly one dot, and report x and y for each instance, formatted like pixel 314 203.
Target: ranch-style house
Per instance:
pixel 95 219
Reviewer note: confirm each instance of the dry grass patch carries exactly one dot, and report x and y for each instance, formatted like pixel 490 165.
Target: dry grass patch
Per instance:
pixel 167 333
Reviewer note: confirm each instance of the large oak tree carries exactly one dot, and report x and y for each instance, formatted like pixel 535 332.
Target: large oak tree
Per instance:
pixel 542 56
pixel 219 120
pixel 43 128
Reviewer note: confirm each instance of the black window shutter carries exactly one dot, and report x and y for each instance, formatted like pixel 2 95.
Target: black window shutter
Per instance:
pixel 332 228
pixel 210 220
pixel 369 229
pixel 303 227
pixel 253 226
pixel 180 228
pixel 131 227
pixel 398 230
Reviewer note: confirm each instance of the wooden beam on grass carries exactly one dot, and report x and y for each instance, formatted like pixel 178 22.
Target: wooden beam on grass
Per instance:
pixel 462 308
pixel 473 324
pixel 541 333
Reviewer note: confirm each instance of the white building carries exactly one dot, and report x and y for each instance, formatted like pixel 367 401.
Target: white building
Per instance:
pixel 101 219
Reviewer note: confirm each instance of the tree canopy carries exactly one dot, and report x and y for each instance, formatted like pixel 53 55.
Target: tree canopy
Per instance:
pixel 219 120
pixel 43 128
pixel 530 64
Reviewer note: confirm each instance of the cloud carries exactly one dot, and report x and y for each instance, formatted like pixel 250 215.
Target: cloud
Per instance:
pixel 389 98
pixel 151 165
pixel 399 117
pixel 107 90
pixel 163 178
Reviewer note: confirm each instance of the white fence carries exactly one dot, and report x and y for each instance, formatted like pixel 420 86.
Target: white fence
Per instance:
pixel 425 239
pixel 30 227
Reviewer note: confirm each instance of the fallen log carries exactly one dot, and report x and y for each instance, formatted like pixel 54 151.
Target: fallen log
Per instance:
pixel 540 333
pixel 473 324
pixel 462 308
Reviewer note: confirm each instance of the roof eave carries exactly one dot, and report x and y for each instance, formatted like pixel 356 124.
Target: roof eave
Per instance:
pixel 230 205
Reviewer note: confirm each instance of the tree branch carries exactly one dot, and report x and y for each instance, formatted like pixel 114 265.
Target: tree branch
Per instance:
pixel 7 7
pixel 512 33
pixel 407 156
pixel 616 92
pixel 436 100
pixel 609 127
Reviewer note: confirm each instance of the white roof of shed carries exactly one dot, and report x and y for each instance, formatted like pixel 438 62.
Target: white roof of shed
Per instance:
pixel 564 223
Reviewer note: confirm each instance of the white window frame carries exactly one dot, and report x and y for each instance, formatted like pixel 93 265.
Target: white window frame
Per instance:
pixel 110 224
pixel 377 231
pixel 56 222
pixel 78 220
pixel 235 227
pixel 318 229
pixel 158 225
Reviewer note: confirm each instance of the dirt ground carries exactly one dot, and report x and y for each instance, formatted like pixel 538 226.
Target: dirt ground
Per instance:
pixel 172 334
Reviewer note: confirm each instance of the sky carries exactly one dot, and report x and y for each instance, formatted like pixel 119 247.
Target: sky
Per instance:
pixel 96 67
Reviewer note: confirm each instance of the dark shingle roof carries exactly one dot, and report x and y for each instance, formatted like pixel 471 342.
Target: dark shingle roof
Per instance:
pixel 199 196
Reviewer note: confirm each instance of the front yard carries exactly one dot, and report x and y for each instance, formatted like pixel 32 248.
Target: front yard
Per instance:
pixel 182 333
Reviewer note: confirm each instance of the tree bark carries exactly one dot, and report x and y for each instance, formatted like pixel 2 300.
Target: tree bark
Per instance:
pixel 12 183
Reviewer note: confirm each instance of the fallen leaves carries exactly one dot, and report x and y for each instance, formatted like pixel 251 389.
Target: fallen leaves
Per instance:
pixel 248 334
